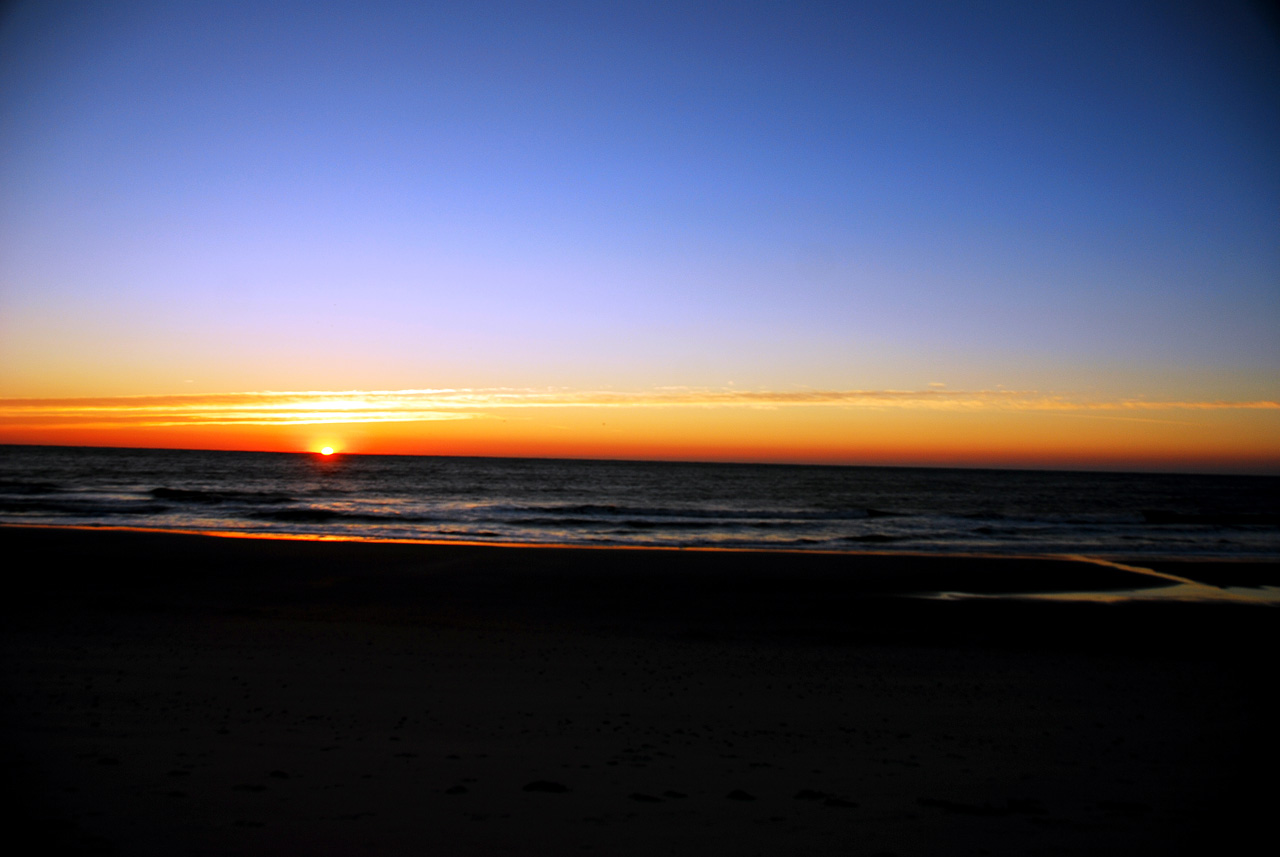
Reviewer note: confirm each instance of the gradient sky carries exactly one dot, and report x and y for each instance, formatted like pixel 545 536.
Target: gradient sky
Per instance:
pixel 1052 231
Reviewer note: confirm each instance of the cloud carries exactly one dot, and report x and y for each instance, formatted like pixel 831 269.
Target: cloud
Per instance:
pixel 259 408
pixel 375 406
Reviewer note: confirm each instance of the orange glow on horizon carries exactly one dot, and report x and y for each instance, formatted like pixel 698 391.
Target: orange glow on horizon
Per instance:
pixel 1000 429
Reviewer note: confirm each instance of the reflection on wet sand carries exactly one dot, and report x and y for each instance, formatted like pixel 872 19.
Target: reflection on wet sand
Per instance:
pixel 1166 586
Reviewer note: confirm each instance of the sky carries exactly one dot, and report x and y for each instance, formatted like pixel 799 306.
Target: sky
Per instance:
pixel 996 234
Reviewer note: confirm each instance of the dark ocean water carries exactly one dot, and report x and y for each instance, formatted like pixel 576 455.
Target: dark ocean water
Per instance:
pixel 646 503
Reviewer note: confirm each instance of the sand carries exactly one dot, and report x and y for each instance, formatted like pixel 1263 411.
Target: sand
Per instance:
pixel 180 694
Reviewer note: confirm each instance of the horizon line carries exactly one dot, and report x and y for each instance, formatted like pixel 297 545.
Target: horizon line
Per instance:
pixel 1092 467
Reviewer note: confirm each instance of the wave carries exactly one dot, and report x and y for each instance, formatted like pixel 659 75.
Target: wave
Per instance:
pixel 1215 519
pixel 210 498
pixel 643 524
pixel 608 511
pixel 317 516
pixel 28 488
pixel 71 507
pixel 554 522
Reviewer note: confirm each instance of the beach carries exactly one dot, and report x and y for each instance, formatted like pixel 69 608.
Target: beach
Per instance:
pixel 191 694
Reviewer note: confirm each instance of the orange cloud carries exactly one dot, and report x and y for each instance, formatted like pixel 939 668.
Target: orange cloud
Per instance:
pixel 379 406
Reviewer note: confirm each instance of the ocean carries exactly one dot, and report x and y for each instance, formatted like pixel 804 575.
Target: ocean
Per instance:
pixel 672 504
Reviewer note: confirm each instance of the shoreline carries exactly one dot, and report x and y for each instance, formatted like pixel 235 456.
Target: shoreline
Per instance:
pixel 1112 557
pixel 657 593
pixel 902 573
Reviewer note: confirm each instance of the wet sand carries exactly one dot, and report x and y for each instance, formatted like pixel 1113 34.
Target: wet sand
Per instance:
pixel 175 694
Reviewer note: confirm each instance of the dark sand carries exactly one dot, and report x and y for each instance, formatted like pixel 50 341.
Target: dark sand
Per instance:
pixel 174 694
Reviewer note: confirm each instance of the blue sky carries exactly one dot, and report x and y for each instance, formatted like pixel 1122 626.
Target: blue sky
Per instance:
pixel 220 196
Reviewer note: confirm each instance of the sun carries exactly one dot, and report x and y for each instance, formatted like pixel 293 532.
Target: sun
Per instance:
pixel 328 450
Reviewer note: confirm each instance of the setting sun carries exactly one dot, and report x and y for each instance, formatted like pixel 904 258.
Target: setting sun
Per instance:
pixel 328 450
